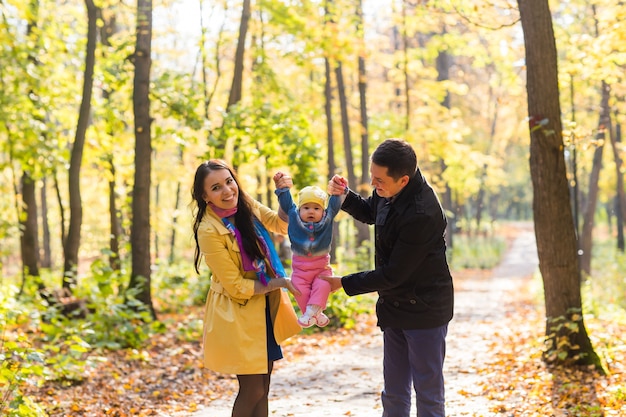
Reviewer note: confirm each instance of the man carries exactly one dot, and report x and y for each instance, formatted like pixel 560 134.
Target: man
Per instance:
pixel 412 277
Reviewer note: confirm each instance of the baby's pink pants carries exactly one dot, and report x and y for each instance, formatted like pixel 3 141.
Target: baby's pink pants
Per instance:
pixel 304 277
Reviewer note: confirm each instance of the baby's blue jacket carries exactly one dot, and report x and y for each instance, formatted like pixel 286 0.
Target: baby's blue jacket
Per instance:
pixel 307 238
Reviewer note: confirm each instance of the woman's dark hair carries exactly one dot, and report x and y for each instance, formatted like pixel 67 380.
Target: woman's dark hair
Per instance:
pixel 244 218
pixel 397 156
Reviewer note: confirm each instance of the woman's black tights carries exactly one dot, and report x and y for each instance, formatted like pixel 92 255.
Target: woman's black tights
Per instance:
pixel 251 400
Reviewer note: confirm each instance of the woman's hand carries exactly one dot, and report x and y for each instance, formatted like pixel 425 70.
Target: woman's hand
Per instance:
pixel 282 180
pixel 292 288
pixel 275 284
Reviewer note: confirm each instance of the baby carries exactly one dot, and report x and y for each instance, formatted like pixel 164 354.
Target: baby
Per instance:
pixel 310 232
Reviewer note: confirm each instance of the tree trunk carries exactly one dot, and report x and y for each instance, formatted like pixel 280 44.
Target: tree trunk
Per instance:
pixel 140 227
pixel 363 188
pixel 175 217
pixel 227 146
pixel 237 85
pixel 107 30
pixel 362 228
pixel 405 70
pixel 554 223
pixel 332 168
pixel 29 231
pixel 620 199
pixel 443 64
pixel 330 140
pixel 46 259
pixel 115 261
pixel 57 190
pixel 480 199
pixel 72 242
pixel 586 237
pixel 157 203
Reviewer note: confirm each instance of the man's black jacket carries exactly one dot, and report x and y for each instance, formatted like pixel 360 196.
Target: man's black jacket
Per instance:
pixel 412 275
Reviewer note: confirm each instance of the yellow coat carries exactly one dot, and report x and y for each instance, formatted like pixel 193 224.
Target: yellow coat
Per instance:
pixel 234 339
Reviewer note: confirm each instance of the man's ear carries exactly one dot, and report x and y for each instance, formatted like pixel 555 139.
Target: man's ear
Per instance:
pixel 404 180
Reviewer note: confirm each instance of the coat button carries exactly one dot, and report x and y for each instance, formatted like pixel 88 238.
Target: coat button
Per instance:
pixel 396 304
pixel 413 301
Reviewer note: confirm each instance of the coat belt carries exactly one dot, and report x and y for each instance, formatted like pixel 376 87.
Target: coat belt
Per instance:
pixel 219 288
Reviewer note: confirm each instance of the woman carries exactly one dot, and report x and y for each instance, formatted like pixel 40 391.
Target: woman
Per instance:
pixel 247 315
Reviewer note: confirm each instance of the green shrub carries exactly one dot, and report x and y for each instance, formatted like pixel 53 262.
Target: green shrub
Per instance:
pixel 20 363
pixel 476 252
pixel 603 292
pixel 177 286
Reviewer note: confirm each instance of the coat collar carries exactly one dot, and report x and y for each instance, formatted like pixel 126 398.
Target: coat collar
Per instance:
pixel 216 222
pixel 406 196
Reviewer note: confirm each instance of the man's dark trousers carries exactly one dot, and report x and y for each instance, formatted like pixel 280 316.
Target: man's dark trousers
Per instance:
pixel 414 356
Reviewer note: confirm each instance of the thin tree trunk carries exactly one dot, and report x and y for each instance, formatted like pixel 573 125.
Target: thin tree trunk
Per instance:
pixel 443 64
pixel 237 85
pixel 29 231
pixel 620 199
pixel 362 228
pixel 405 70
pixel 57 189
pixel 157 203
pixel 107 30
pixel 227 146
pixel 72 243
pixel 175 217
pixel 554 222
pixel 29 236
pixel 363 188
pixel 115 260
pixel 332 168
pixel 207 92
pixel 586 237
pixel 330 145
pixel 480 199
pixel 46 259
pixel 140 279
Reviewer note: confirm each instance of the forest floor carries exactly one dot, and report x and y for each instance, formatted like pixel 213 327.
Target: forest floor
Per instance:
pixel 493 364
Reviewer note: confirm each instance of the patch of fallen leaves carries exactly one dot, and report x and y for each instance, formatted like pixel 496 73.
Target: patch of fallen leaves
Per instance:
pixel 167 377
pixel 519 383
pixel 164 378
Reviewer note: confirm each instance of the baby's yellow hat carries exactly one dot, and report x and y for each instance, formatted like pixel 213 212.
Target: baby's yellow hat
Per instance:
pixel 312 194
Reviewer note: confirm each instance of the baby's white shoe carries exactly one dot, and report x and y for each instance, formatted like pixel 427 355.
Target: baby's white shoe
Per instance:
pixel 322 320
pixel 306 320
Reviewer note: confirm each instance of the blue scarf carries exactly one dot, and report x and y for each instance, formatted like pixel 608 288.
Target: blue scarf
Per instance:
pixel 259 266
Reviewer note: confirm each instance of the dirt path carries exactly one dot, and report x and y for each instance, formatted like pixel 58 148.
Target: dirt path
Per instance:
pixel 344 378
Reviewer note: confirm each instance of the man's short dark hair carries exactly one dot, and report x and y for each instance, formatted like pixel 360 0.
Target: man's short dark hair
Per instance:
pixel 397 156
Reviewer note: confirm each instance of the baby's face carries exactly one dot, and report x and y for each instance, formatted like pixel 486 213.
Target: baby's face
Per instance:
pixel 311 212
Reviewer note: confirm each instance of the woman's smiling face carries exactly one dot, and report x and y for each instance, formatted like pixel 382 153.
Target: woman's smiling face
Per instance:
pixel 221 190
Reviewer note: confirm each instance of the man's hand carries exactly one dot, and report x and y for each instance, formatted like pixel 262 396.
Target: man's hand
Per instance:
pixel 335 282
pixel 282 180
pixel 337 185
